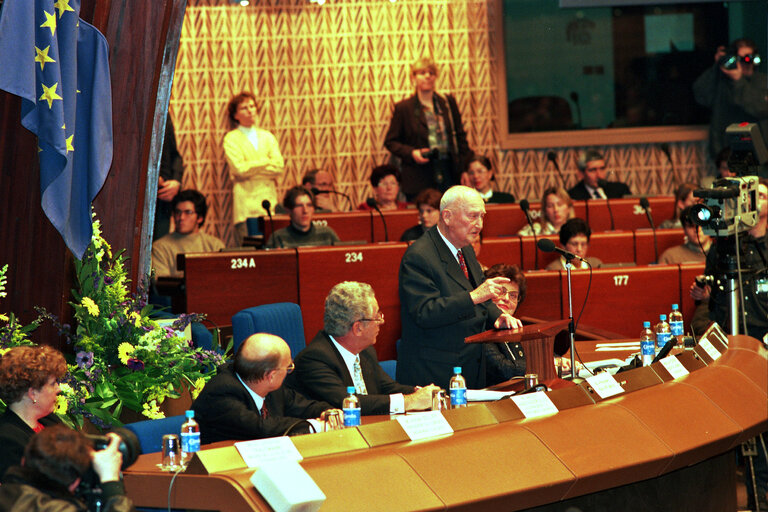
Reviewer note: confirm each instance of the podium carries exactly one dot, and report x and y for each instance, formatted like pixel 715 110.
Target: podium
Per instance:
pixel 537 340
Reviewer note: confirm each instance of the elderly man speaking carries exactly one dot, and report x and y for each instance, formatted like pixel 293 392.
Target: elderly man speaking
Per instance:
pixel 444 297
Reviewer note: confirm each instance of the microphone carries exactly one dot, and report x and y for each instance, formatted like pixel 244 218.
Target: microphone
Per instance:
pixel 547 245
pixel 372 203
pixel 603 184
pixel 525 205
pixel 552 157
pixel 267 205
pixel 646 207
pixel 315 191
pixel 575 100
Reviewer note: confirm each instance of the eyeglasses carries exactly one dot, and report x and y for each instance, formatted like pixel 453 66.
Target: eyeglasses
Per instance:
pixel 290 368
pixel 513 296
pixel 183 212
pixel 379 318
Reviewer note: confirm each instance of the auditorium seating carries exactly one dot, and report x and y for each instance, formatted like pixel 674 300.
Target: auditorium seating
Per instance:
pixel 281 319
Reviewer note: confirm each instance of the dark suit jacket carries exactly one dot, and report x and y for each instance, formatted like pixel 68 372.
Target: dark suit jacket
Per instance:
pixel 613 189
pixel 501 198
pixel 408 131
pixel 14 436
pixel 225 410
pixel 321 374
pixel 437 313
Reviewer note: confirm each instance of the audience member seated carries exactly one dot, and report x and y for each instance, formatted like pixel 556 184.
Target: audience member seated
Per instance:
pixel 556 209
pixel 695 244
pixel 342 355
pixel 683 199
pixel 504 361
pixel 29 385
pixel 254 162
pixel 247 399
pixel 385 180
pixel 320 183
pixel 189 211
pixel 428 203
pixel 574 237
pixel 301 231
pixel 55 463
pixel 721 162
pixel 481 176
pixel 593 185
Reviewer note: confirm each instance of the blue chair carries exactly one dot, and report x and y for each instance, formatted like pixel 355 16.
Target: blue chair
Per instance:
pixel 253 226
pixel 151 432
pixel 389 366
pixel 281 319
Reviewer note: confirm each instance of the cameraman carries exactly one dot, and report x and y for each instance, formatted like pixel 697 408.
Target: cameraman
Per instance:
pixel 55 462
pixel 733 95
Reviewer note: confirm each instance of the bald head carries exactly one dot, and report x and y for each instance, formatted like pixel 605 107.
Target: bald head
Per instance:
pixel 260 354
pixel 461 215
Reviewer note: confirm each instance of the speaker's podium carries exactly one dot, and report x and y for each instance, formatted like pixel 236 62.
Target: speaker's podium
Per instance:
pixel 537 340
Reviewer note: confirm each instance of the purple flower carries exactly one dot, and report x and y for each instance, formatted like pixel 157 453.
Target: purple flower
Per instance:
pixel 84 359
pixel 108 280
pixel 135 364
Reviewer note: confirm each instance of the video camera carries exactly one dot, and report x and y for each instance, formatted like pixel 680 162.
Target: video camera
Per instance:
pixel 731 61
pixel 730 206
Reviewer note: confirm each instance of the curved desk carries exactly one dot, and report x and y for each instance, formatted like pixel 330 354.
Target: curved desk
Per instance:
pixel 664 444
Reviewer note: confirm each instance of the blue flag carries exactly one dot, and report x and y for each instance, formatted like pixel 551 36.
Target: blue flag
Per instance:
pixel 58 64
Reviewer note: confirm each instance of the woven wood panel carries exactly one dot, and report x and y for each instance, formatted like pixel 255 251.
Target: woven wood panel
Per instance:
pixel 327 78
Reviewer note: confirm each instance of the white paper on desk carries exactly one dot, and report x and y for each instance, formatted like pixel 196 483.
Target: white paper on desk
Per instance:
pixel 674 367
pixel 709 349
pixel 625 344
pixel 534 404
pixel 605 385
pixel 424 425
pixel 485 395
pixel 262 451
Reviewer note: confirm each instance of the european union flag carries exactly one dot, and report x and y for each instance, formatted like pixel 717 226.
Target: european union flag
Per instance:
pixel 58 64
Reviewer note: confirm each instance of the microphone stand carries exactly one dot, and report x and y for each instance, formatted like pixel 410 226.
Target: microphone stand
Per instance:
pixel 571 327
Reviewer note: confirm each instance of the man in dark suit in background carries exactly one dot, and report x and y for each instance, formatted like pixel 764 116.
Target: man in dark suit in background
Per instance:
pixel 342 355
pixel 593 184
pixel 444 297
pixel 246 399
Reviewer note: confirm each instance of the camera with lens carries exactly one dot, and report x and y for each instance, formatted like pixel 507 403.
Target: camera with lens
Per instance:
pixel 730 61
pixel 730 206
pixel 89 489
pixel 432 154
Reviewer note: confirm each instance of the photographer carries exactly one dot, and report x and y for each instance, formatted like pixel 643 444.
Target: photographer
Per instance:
pixel 55 462
pixel 733 91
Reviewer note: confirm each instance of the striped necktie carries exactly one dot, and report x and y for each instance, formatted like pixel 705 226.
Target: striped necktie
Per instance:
pixel 462 263
pixel 357 377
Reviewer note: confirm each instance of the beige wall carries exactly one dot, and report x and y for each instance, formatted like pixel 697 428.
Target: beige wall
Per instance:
pixel 327 78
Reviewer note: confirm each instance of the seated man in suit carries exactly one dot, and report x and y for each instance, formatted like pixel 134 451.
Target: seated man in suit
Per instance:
pixel 299 203
pixel 342 355
pixel 574 237
pixel 593 185
pixel 247 400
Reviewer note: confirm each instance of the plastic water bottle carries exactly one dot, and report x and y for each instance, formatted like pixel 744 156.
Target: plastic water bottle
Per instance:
pixel 190 438
pixel 647 344
pixel 351 407
pixel 663 333
pixel 458 389
pixel 676 325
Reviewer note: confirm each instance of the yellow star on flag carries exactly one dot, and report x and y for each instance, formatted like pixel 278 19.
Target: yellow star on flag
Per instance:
pixel 50 22
pixel 49 94
pixel 62 6
pixel 70 147
pixel 42 56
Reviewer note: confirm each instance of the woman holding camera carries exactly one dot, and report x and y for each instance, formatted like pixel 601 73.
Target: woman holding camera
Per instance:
pixel 427 135
pixel 29 385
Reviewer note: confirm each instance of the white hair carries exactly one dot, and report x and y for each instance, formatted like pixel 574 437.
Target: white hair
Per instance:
pixel 458 194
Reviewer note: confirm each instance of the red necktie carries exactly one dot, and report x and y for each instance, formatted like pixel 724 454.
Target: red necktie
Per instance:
pixel 264 411
pixel 462 264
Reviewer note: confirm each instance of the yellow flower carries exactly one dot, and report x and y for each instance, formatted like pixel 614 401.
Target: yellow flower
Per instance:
pixel 136 318
pixel 66 389
pixel 91 306
pixel 124 350
pixel 61 405
pixel 199 385
pixel 152 411
pixel 3 317
pixel 3 351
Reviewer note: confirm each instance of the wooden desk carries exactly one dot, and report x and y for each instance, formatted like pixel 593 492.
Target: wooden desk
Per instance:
pixel 592 456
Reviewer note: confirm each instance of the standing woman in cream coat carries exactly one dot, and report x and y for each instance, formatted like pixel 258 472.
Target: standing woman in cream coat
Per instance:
pixel 254 162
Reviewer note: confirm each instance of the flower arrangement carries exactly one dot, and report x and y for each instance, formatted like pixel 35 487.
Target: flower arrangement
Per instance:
pixel 123 359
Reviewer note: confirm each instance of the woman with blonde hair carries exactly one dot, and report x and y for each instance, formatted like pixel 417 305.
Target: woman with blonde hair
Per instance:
pixel 556 210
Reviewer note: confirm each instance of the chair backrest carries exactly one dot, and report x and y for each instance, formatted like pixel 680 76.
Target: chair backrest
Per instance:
pixel 282 319
pixel 151 432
